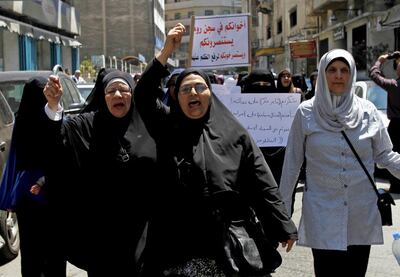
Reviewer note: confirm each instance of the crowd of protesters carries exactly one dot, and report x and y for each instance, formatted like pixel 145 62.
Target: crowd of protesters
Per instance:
pixel 160 161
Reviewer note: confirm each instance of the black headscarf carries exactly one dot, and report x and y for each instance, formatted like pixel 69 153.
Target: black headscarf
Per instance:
pixel 279 86
pixel 95 99
pixel 29 147
pixel 259 81
pixel 107 129
pixel 299 82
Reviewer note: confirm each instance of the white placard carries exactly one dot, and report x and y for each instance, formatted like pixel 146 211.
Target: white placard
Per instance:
pixel 220 41
pixel 268 116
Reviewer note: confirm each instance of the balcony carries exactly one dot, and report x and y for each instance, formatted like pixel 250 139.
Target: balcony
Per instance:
pixel 321 6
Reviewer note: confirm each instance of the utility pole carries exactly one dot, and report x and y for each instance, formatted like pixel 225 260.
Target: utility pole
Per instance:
pixel 103 11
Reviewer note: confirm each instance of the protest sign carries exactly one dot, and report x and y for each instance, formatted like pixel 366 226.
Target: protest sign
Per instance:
pixel 268 117
pixel 219 41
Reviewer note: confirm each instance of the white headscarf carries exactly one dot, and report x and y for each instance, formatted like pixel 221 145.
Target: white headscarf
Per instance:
pixel 346 112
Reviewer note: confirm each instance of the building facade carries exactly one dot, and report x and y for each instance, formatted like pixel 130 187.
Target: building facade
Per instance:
pixel 182 10
pixel 36 35
pixel 364 28
pixel 282 25
pixel 121 33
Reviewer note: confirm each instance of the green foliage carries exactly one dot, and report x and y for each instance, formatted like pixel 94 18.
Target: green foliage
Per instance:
pixel 87 69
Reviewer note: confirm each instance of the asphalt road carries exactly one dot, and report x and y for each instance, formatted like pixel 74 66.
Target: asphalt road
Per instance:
pixel 298 262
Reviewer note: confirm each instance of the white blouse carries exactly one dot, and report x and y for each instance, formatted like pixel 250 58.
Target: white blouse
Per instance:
pixel 339 204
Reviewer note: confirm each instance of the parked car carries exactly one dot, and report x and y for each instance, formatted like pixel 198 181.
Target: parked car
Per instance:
pixel 11 89
pixel 85 89
pixel 12 85
pixel 9 237
pixel 378 96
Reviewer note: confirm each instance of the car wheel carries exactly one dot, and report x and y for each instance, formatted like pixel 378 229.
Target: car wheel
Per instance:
pixel 9 236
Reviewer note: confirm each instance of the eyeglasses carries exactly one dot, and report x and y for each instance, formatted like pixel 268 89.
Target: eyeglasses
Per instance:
pixel 124 90
pixel 199 88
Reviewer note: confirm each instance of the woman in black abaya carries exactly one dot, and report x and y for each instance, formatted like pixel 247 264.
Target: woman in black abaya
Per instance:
pixel 259 81
pixel 112 161
pixel 207 160
pixel 21 187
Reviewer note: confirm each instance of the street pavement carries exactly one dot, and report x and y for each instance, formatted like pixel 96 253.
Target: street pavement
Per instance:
pixel 298 262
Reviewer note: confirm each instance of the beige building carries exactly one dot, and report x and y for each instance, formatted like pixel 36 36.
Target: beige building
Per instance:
pixel 182 11
pixel 280 23
pixel 364 28
pixel 121 33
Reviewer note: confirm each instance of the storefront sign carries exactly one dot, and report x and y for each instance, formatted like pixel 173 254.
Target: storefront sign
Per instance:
pixel 270 51
pixel 303 49
pixel 338 33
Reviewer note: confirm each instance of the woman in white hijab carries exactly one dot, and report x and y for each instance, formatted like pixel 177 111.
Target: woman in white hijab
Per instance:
pixel 340 218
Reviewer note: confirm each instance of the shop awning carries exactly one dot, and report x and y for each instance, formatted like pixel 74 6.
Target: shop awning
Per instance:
pixel 38 33
pixel 74 43
pixel 3 24
pixel 269 51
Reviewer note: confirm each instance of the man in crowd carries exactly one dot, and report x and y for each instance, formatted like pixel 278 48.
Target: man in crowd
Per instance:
pixel 392 86
pixel 77 77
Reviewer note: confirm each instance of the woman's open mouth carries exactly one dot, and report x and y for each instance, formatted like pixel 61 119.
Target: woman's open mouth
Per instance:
pixel 194 103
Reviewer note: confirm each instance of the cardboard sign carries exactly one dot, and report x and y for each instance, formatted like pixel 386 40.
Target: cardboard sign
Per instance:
pixel 219 41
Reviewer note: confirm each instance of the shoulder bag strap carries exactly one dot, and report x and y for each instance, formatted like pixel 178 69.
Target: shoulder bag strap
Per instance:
pixel 361 163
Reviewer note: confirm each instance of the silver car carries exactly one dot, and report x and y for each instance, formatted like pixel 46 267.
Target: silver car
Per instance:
pixel 374 93
pixel 9 237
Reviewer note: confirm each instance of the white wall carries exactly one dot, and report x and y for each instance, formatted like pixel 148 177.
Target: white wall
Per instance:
pixel 11 51
pixel 66 58
pixel 44 55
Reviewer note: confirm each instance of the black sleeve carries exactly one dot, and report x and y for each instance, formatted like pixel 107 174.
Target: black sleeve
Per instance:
pixel 150 107
pixel 264 197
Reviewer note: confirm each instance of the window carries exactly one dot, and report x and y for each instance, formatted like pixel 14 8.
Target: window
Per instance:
pixel 293 18
pixel 177 16
pixel 226 12
pixel 208 12
pixel 190 14
pixel 279 26
pixel 269 33
pixel 12 91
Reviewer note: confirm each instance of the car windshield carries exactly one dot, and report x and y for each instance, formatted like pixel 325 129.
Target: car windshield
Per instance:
pixel 85 91
pixel 378 96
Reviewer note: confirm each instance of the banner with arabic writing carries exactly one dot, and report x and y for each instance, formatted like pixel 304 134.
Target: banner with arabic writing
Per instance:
pixel 220 41
pixel 266 116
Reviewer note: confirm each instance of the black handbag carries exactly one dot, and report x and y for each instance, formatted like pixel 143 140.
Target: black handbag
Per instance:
pixel 385 200
pixel 246 249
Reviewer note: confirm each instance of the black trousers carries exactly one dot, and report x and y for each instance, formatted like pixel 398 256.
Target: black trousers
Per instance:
pixel 333 263
pixel 393 130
